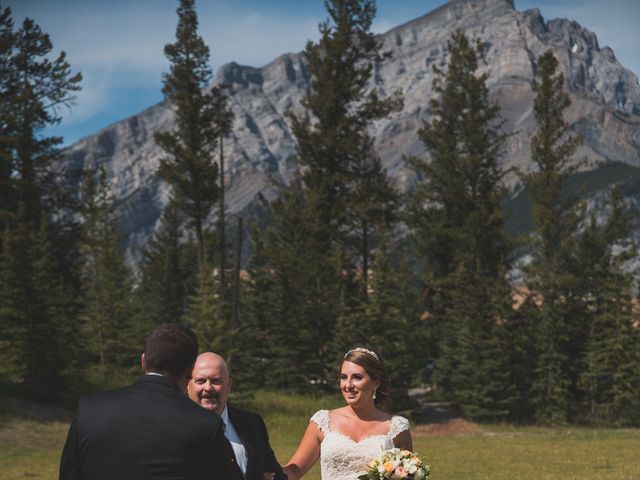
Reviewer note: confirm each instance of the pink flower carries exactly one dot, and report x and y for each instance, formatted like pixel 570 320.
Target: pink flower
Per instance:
pixel 400 472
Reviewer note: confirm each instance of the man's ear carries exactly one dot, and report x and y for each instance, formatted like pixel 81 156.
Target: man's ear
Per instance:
pixel 143 363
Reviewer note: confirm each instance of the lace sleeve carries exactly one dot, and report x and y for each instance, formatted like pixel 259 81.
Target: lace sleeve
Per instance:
pixel 321 418
pixel 398 424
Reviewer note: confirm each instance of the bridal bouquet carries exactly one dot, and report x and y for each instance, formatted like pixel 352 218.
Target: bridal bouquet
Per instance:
pixel 396 464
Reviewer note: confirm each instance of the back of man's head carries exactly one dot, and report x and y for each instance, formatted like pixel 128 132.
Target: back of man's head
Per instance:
pixel 171 349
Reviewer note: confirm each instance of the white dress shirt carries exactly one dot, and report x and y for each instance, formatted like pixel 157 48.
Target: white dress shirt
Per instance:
pixel 233 437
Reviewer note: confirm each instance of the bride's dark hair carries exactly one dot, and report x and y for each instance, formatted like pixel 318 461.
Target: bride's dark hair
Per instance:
pixel 375 368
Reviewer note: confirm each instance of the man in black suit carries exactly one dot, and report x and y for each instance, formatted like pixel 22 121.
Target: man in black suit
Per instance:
pixel 209 387
pixel 148 430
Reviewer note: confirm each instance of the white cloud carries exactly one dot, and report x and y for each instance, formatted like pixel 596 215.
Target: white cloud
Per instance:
pixel 118 44
pixel 382 26
pixel 256 39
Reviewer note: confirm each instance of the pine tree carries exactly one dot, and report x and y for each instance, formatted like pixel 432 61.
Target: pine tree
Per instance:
pixel 304 292
pixel 38 277
pixel 224 120
pixel 389 322
pixel 36 89
pixel 256 342
pixel 204 313
pixel 108 312
pixel 477 360
pixel 462 184
pixel 342 175
pixel 372 206
pixel 34 309
pixel 556 220
pixel 323 227
pixel 190 168
pixel 168 273
pixel 522 329
pixel 458 228
pixel 34 86
pixel 7 74
pixel 610 375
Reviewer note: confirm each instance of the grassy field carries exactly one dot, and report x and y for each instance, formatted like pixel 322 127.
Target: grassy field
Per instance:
pixel 32 436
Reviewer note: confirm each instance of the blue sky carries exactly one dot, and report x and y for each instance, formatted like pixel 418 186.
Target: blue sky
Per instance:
pixel 118 44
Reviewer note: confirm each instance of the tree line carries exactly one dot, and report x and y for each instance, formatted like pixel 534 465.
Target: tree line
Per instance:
pixel 342 257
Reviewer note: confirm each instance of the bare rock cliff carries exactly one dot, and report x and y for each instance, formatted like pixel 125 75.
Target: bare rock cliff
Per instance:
pixel 605 111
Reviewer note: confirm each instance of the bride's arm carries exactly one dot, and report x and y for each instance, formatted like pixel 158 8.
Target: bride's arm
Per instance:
pixel 306 455
pixel 404 441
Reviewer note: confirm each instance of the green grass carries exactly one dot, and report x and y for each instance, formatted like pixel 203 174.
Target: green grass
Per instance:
pixel 32 436
pixel 31 439
pixel 534 453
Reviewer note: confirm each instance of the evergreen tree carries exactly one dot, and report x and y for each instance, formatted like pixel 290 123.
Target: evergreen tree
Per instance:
pixel 389 322
pixel 458 228
pixel 476 365
pixel 204 313
pixel 224 120
pixel 190 168
pixel 107 312
pixel 345 183
pixel 34 309
pixel 320 238
pixel 610 374
pixel 556 220
pixel 462 184
pixel 522 329
pixel 168 273
pixel 38 269
pixel 35 88
pixel 7 80
pixel 301 283
pixel 372 206
pixel 257 343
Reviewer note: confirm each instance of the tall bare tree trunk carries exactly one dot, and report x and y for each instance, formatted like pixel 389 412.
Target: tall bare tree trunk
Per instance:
pixel 222 233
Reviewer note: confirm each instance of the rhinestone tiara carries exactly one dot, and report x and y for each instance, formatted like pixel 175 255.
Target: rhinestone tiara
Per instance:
pixel 363 350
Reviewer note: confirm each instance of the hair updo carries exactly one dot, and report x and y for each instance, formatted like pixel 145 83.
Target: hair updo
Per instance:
pixel 375 368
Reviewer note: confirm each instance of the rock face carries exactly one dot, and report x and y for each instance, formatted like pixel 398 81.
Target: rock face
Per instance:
pixel 605 111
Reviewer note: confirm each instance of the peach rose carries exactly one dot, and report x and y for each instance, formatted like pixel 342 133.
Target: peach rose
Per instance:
pixel 400 472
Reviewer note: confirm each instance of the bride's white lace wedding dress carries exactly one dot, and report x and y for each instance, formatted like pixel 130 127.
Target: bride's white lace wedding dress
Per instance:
pixel 342 458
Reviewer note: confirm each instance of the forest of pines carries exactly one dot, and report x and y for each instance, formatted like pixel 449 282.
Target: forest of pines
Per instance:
pixel 342 257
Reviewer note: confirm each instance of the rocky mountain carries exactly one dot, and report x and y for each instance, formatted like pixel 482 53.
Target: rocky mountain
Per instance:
pixel 605 112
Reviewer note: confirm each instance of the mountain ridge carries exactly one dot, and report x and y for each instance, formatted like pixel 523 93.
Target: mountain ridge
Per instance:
pixel 605 109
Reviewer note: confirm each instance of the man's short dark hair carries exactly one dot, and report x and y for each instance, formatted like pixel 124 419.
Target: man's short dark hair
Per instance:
pixel 171 349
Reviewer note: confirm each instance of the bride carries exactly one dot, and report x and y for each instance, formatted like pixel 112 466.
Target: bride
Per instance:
pixel 347 438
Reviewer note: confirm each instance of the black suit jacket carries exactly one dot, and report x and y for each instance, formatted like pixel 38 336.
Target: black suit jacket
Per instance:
pixel 148 430
pixel 253 433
